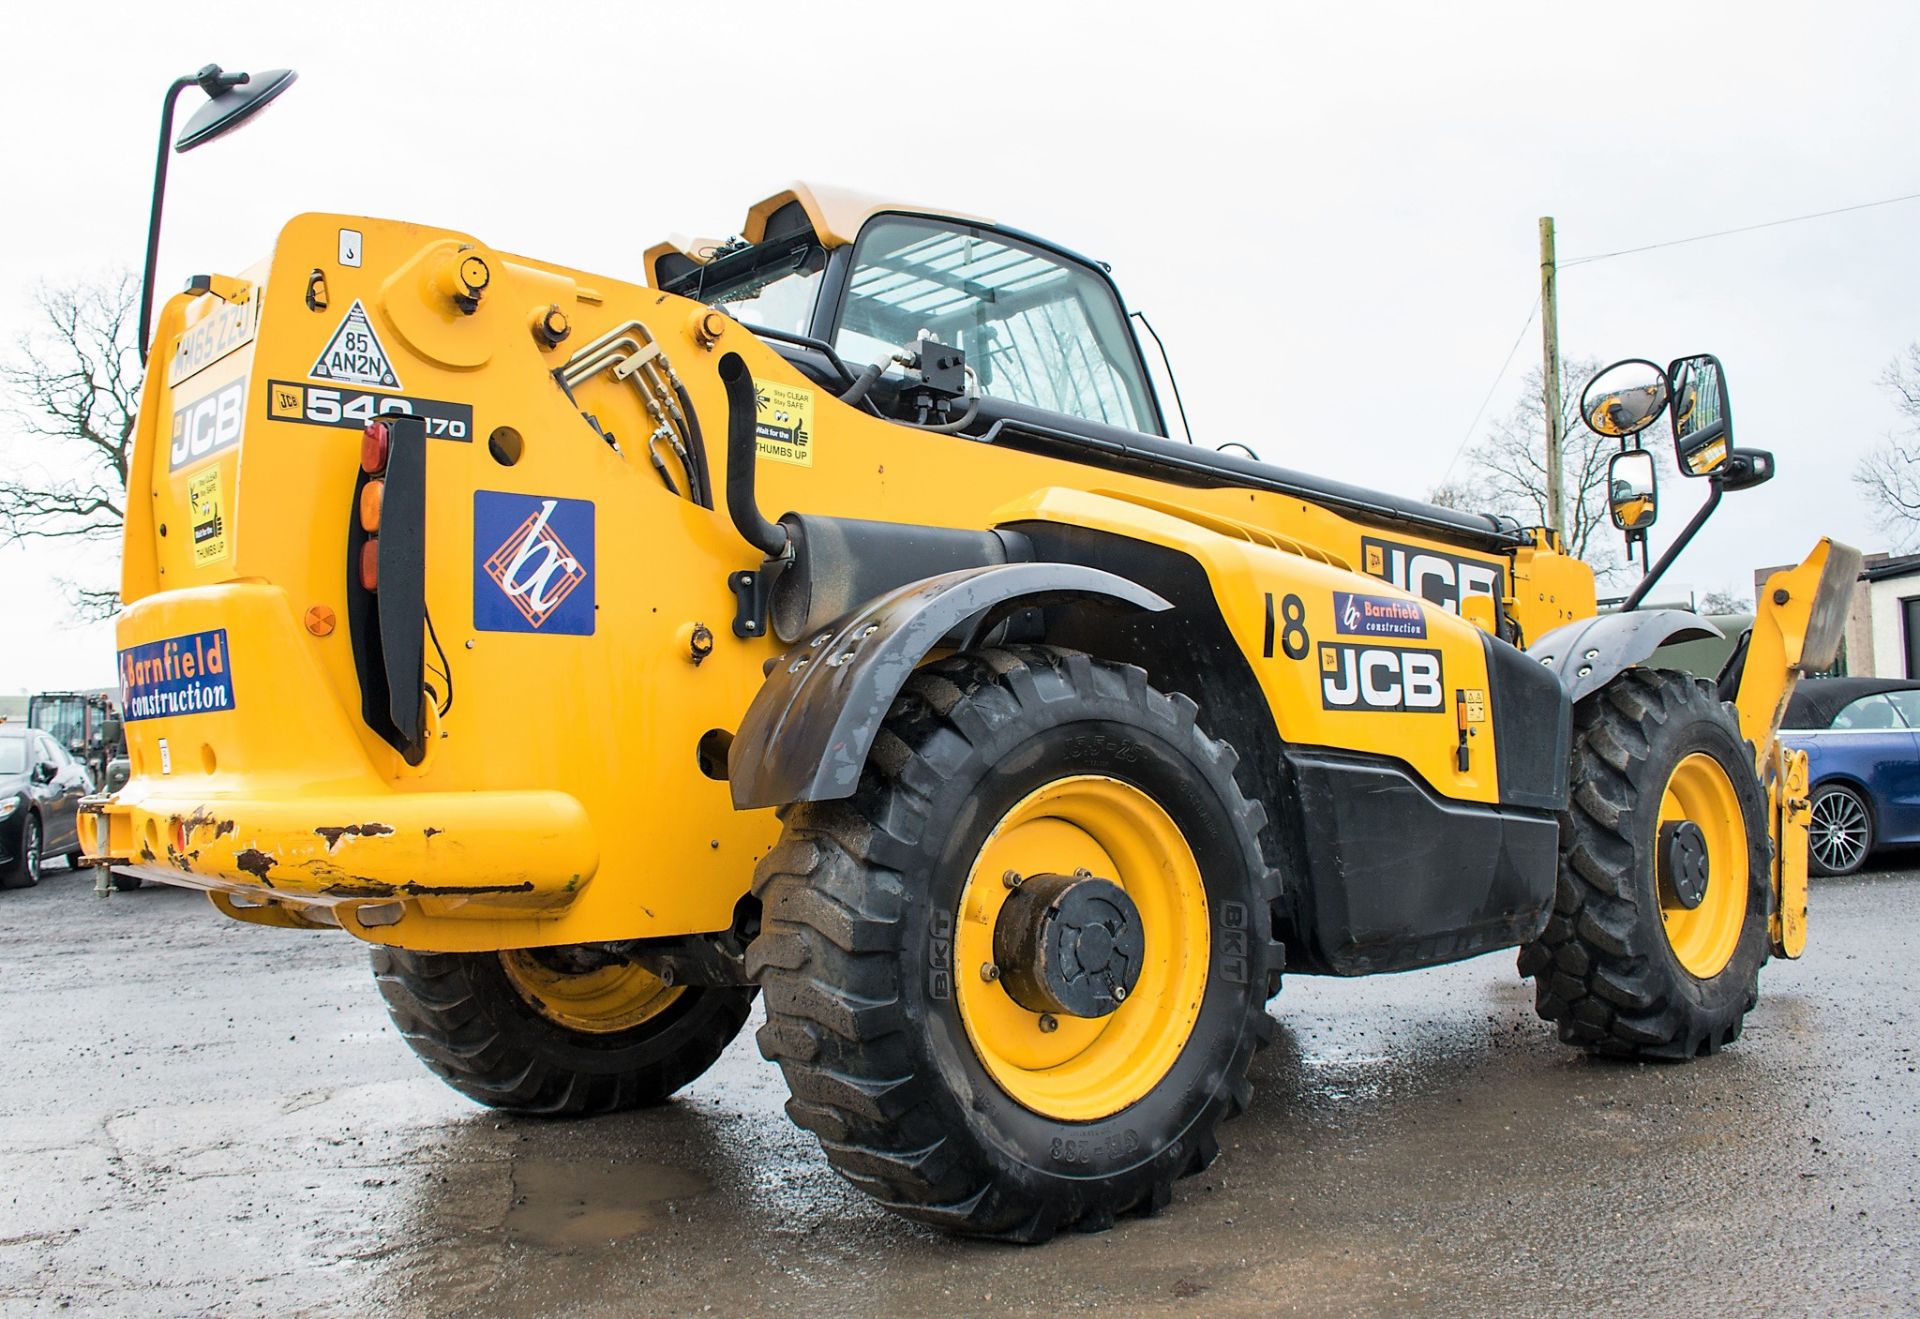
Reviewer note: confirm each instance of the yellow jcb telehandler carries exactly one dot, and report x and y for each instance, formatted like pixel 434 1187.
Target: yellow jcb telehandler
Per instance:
pixel 830 617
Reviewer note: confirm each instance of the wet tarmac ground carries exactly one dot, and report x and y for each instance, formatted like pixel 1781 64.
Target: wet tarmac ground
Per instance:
pixel 203 1117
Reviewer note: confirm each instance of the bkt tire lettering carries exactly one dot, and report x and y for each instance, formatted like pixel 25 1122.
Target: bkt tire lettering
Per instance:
pixel 1381 678
pixel 1434 576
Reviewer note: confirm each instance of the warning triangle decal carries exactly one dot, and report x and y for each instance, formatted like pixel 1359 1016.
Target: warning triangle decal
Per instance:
pixel 354 356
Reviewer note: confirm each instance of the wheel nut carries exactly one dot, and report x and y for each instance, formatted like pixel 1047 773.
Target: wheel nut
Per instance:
pixel 989 972
pixel 1048 1023
pixel 1120 993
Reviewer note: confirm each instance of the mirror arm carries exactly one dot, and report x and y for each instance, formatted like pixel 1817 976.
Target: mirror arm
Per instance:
pixel 153 217
pixel 1680 543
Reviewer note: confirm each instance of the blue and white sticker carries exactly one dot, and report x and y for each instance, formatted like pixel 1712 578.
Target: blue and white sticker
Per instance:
pixel 1356 615
pixel 532 564
pixel 191 674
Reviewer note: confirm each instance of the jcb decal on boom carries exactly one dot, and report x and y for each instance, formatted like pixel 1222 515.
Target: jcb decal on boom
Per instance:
pixel 1431 574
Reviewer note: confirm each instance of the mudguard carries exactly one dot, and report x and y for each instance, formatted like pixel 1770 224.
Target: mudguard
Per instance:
pixel 1586 654
pixel 808 731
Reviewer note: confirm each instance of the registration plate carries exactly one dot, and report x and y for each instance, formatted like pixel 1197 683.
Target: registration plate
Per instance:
pixel 228 327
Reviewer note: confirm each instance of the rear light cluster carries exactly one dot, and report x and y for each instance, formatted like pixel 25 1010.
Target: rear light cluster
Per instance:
pixel 375 443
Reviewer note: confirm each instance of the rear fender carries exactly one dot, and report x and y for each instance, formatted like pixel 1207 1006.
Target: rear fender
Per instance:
pixel 807 734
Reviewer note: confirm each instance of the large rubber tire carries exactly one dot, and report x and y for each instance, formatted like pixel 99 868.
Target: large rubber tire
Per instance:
pixel 1845 813
pixel 463 1017
pixel 858 950
pixel 1605 969
pixel 25 870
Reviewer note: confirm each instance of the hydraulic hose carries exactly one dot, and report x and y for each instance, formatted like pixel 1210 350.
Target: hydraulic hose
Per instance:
pixel 697 447
pixel 858 389
pixel 768 537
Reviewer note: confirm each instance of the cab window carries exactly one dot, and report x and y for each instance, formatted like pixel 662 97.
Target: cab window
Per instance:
pixel 1036 329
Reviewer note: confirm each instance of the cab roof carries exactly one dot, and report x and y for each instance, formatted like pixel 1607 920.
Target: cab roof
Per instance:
pixel 832 215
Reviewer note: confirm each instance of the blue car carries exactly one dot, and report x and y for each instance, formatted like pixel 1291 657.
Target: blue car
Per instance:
pixel 1862 739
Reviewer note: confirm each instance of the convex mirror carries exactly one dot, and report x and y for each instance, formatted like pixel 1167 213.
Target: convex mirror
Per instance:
pixel 1633 499
pixel 1702 421
pixel 1624 399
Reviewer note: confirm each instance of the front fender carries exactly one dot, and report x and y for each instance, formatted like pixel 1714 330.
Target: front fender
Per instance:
pixel 1586 654
pixel 807 734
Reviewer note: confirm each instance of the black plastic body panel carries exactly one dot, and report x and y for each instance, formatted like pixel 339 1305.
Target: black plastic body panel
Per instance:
pixel 1398 878
pixel 808 731
pixel 1532 729
pixel 841 563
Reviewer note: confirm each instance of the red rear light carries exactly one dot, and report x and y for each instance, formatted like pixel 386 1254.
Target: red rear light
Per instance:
pixel 373 446
pixel 370 564
pixel 372 495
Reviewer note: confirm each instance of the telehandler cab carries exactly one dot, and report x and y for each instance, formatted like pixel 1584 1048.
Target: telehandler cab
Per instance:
pixel 1014 758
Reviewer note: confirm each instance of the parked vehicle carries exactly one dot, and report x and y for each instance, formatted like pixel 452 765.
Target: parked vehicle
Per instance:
pixel 40 791
pixel 1862 739
pixel 87 725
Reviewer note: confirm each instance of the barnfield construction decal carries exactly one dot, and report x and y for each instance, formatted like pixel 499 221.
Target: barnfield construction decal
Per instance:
pixel 179 676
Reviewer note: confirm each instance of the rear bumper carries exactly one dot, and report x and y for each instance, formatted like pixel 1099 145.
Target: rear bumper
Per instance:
pixel 267 790
pixel 462 853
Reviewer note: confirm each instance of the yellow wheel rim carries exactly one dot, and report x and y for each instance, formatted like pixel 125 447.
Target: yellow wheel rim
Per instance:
pixel 1087 1068
pixel 1703 938
pixel 613 998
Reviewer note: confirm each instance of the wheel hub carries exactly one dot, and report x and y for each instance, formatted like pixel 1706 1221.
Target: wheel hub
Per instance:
pixel 1683 862
pixel 1069 944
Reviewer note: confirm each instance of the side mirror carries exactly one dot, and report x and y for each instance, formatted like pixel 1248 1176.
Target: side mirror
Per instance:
pixel 42 774
pixel 1702 420
pixel 1624 399
pixel 1633 492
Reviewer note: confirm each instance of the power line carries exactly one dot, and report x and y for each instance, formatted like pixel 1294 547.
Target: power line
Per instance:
pixel 1467 438
pixel 1743 229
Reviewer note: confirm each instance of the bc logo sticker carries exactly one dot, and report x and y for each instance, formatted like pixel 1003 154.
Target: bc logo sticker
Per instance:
pixel 783 424
pixel 1377 616
pixel 178 676
pixel 209 525
pixel 532 564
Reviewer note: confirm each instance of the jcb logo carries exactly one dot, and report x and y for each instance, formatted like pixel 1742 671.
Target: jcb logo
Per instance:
pixel 1380 678
pixel 1441 578
pixel 208 425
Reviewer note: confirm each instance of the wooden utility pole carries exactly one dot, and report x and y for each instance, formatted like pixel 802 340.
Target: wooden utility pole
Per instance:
pixel 1550 371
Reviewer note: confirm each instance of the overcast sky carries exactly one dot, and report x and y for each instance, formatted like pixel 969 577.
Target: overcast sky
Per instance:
pixel 1328 210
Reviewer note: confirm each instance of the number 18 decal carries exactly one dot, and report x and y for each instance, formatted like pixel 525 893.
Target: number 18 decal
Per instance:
pixel 1293 628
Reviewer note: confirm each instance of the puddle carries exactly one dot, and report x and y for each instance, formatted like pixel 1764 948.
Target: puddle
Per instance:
pixel 559 1204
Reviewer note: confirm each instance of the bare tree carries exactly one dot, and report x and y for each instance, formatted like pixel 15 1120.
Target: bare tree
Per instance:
pixel 1724 602
pixel 1888 474
pixel 1507 470
pixel 72 387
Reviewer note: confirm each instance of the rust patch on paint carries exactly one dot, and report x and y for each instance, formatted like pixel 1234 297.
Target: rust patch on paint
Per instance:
pixel 256 863
pixel 333 833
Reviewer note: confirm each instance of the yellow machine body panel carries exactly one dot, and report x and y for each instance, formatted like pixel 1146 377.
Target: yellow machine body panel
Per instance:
pixel 560 798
